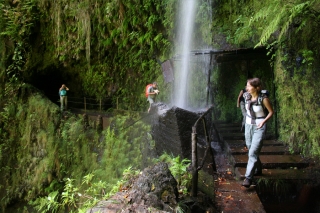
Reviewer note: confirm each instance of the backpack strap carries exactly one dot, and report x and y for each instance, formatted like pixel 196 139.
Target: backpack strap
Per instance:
pixel 260 98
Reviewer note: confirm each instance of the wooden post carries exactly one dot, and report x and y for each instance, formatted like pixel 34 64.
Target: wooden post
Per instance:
pixel 208 145
pixel 194 157
pixel 194 162
pixel 117 103
pixel 209 76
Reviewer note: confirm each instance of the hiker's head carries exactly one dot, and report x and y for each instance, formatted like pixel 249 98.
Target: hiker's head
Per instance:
pixel 154 84
pixel 253 85
pixel 63 86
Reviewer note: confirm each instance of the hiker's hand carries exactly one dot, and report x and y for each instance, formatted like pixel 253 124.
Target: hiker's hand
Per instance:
pixel 156 91
pixel 260 125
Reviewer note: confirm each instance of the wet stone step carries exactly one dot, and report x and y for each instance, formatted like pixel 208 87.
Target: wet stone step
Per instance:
pixel 229 129
pixel 287 174
pixel 220 125
pixel 239 136
pixel 266 150
pixel 237 129
pixel 234 143
pixel 273 161
pixel 232 135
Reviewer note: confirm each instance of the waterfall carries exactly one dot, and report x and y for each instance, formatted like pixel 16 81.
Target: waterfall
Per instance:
pixel 186 22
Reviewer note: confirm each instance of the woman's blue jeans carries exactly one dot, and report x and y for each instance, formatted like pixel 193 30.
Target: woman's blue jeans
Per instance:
pixel 254 144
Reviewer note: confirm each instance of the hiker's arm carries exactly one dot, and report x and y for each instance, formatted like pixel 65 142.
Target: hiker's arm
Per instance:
pixel 153 93
pixel 266 102
pixel 239 96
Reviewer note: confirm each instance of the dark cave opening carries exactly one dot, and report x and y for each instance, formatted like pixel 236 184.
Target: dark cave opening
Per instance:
pixel 50 80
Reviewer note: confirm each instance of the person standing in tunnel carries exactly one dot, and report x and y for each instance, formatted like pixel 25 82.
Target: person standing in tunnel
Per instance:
pixel 255 126
pixel 152 94
pixel 63 97
pixel 241 104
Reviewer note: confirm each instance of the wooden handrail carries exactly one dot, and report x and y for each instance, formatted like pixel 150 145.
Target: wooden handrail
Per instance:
pixel 194 158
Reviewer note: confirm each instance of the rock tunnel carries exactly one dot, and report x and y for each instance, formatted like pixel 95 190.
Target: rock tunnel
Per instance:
pixel 49 81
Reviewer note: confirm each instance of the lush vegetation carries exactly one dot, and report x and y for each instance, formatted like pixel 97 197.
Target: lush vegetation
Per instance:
pixel 101 49
pixel 44 153
pixel 112 49
pixel 288 29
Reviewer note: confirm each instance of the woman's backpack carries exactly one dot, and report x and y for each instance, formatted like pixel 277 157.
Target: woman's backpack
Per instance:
pixel 147 88
pixel 263 94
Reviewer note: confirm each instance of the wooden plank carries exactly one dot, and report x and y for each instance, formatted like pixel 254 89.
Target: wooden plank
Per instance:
pixel 229 129
pixel 219 125
pixel 239 136
pixel 273 161
pixel 233 143
pixel 266 150
pixel 287 174
pixel 232 136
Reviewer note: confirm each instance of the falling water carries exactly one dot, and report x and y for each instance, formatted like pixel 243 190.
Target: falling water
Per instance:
pixel 185 36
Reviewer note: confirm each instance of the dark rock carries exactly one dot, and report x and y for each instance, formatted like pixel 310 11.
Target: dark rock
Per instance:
pixel 155 190
pixel 172 129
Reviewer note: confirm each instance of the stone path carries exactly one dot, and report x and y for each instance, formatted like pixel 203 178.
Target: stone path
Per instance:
pixel 278 165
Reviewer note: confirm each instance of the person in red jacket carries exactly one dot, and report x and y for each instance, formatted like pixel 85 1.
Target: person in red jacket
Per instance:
pixel 152 94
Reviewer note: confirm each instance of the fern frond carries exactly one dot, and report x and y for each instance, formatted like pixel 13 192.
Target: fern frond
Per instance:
pixel 295 11
pixel 272 27
pixel 281 20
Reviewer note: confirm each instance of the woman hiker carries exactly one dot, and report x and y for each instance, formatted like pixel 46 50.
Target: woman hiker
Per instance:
pixel 152 92
pixel 255 126
pixel 63 97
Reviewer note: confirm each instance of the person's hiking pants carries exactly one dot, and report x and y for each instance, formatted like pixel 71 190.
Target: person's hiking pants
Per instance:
pixel 254 144
pixel 63 102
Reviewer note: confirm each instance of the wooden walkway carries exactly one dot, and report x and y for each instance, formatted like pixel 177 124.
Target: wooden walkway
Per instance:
pixel 278 165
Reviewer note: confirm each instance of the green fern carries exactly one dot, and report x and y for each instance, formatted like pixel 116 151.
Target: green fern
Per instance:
pixel 281 20
pixel 178 169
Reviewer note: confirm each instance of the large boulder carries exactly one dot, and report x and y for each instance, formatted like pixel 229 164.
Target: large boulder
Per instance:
pixel 154 190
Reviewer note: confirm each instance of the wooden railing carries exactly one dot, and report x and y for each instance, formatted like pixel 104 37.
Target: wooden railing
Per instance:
pixel 194 139
pixel 85 103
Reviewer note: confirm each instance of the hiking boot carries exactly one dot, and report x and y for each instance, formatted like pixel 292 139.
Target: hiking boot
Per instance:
pixel 246 183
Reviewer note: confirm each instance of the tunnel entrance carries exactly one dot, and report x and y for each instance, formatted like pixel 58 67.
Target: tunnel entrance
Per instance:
pixel 49 81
